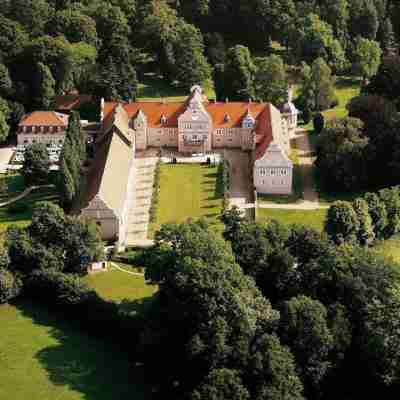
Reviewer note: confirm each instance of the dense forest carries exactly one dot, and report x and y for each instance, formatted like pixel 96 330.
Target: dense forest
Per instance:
pixel 103 48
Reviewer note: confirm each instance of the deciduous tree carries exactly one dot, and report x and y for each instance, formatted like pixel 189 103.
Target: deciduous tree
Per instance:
pixel 35 169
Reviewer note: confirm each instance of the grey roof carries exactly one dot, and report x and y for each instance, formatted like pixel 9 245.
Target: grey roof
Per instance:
pixel 274 157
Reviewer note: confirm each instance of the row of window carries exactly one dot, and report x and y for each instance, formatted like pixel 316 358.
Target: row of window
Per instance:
pixel 61 141
pixel 274 183
pixel 41 129
pixel 273 171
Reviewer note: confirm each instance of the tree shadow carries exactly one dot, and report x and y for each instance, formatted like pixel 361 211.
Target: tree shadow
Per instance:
pixel 82 363
pixel 139 306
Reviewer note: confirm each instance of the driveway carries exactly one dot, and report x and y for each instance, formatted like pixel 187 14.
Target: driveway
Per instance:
pixel 240 177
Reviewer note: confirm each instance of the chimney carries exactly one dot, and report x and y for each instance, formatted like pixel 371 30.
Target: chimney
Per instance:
pixel 101 109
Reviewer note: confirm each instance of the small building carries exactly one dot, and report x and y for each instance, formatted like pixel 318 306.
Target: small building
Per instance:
pixel 48 127
pixel 273 172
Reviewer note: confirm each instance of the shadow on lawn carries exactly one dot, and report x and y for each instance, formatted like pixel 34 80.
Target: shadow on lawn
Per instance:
pixel 96 369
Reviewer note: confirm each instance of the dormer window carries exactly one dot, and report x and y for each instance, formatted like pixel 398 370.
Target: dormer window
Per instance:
pixel 227 118
pixel 163 119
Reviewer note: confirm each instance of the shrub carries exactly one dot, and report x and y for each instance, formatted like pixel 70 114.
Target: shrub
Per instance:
pixel 224 182
pixel 10 286
pixel 156 189
pixel 319 123
pixel 18 208
pixel 306 115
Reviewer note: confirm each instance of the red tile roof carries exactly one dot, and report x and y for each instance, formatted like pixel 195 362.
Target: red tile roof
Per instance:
pixel 155 110
pixel 264 129
pixel 71 101
pixel 45 118
pixel 218 112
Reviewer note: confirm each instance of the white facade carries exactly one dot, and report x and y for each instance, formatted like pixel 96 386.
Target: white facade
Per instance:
pixel 273 172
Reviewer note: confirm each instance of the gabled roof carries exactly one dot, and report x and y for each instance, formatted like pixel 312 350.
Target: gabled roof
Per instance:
pixel 109 174
pixel 155 110
pixel 274 156
pixel 44 118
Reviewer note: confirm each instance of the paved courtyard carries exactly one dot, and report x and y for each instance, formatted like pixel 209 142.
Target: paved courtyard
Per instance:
pixel 241 180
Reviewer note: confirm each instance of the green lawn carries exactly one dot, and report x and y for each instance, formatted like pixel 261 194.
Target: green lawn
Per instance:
pixel 20 212
pixel 42 357
pixel 130 291
pixel 390 248
pixel 313 219
pixel 155 88
pixel 188 191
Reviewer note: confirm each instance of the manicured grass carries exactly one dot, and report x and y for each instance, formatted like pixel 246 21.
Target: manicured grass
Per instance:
pixel 130 291
pixel 154 88
pixel 390 248
pixel 188 191
pixel 44 357
pixel 313 219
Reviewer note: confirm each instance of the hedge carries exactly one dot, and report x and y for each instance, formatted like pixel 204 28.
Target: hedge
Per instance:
pixel 155 195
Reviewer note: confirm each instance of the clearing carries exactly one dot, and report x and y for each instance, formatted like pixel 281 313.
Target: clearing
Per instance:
pixel 188 191
pixel 131 292
pixel 43 357
pixel 313 219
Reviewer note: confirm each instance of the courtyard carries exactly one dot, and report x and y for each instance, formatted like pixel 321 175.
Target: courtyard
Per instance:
pixel 188 191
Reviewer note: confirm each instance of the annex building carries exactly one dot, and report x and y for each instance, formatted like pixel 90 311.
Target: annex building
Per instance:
pixel 196 125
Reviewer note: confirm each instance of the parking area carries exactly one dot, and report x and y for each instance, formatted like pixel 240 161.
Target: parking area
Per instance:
pixel 54 151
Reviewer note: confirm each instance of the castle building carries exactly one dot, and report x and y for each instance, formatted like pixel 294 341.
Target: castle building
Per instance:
pixel 193 126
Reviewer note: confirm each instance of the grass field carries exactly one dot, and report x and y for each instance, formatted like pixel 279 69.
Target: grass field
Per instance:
pixel 313 219
pixel 130 291
pixel 390 248
pixel 154 88
pixel 188 191
pixel 20 212
pixel 44 358
pixel 345 89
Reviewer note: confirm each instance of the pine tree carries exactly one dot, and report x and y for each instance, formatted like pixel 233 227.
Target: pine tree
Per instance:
pixel 387 38
pixel 44 87
pixel 365 234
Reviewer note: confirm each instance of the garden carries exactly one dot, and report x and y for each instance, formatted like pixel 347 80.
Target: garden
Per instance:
pixel 188 191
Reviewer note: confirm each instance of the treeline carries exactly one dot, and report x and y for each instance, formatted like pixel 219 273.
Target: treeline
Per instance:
pixel 267 311
pixel 373 216
pixel 272 312
pixel 362 152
